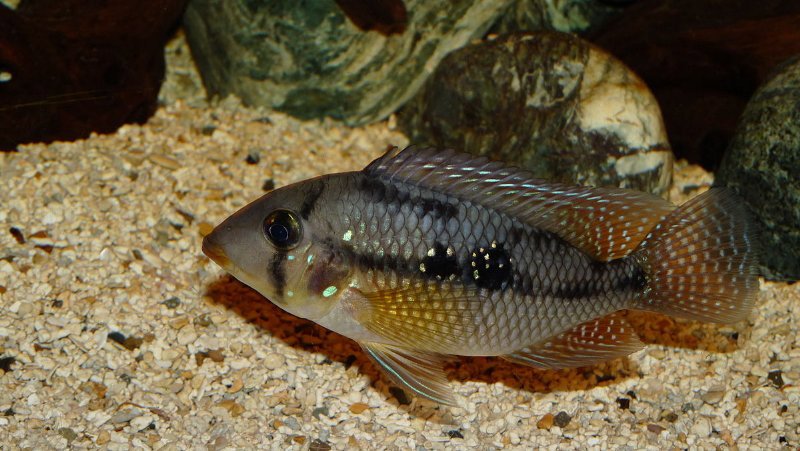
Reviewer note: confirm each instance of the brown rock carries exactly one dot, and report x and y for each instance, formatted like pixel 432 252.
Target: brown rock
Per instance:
pixel 546 422
pixel 358 408
pixel 71 67
pixel 703 59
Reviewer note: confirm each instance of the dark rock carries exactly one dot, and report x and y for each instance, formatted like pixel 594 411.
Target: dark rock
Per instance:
pixel 549 102
pixel 670 416
pixel 387 17
pixel 72 67
pixel 129 343
pixel 320 411
pixel 268 185
pixel 117 337
pixel 319 445
pixel 562 419
pixel 400 395
pixel 624 403
pixel 172 302
pixel 6 362
pixel 574 16
pixel 310 60
pixel 762 164
pixel 17 234
pixel 703 59
pixel 776 377
pixel 455 433
pixel 253 157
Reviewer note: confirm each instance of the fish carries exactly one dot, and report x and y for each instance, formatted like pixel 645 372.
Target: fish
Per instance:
pixel 429 254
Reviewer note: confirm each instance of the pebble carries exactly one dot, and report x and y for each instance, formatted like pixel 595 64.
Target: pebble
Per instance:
pixel 546 422
pixel 273 361
pixel 358 408
pixel 319 445
pixel 253 157
pixel 776 377
pixel 141 422
pixel 268 185
pixel 701 427
pixel 124 416
pixel 187 335
pixel 562 419
pixel 713 396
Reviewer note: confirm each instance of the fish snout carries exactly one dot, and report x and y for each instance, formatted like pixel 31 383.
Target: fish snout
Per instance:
pixel 214 250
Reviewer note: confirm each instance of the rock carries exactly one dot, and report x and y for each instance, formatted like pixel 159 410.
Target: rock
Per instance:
pixel 567 15
pixel 273 361
pixel 546 422
pixel 562 419
pixel 108 57
pixel 703 60
pixel 549 102
pixel 311 61
pixel 762 164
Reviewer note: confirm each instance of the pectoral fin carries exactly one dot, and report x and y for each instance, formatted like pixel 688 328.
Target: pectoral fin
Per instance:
pixel 586 344
pixel 419 371
pixel 423 316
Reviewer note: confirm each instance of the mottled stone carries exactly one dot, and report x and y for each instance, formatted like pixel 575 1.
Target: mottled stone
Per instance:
pixel 549 102
pixel 762 165
pixel 703 60
pixel 574 16
pixel 311 61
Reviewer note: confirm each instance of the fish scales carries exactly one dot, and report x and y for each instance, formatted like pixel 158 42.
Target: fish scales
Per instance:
pixel 426 254
pixel 399 234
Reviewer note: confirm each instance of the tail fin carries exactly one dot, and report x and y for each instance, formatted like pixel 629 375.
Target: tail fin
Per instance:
pixel 700 261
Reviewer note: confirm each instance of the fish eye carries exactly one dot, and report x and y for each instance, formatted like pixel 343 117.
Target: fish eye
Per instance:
pixel 282 229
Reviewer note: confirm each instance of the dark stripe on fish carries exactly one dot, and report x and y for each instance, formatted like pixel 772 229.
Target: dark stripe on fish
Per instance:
pixel 277 270
pixel 604 278
pixel 394 197
pixel 311 199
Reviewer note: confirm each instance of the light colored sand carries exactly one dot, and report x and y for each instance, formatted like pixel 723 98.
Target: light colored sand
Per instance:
pixel 124 214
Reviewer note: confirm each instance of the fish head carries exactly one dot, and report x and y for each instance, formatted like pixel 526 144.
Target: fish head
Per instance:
pixel 275 246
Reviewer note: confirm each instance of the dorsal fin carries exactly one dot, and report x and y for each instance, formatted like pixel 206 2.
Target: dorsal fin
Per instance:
pixel 606 223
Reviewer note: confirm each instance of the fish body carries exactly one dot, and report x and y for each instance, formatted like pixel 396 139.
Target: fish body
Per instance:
pixel 426 254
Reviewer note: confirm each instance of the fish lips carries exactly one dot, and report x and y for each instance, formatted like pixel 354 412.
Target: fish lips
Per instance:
pixel 214 250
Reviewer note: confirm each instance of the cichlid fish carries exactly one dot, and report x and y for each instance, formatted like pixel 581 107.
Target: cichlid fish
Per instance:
pixel 426 254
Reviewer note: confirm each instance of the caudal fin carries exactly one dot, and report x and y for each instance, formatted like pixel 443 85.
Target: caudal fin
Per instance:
pixel 700 261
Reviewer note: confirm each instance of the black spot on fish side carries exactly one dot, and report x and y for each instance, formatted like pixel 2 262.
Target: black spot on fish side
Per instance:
pixel 440 262
pixel 435 208
pixel 634 279
pixel 489 267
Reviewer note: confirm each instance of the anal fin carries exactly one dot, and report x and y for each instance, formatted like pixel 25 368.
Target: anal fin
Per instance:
pixel 419 371
pixel 588 343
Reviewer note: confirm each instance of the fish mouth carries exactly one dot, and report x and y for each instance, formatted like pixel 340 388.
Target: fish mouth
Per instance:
pixel 214 251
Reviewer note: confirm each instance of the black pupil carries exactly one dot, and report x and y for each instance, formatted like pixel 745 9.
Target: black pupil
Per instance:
pixel 282 229
pixel 279 233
